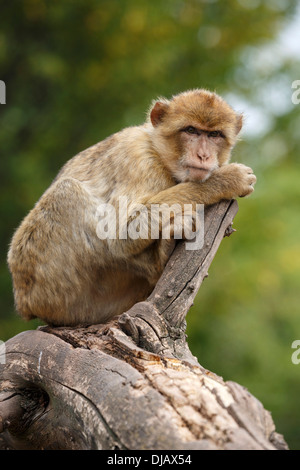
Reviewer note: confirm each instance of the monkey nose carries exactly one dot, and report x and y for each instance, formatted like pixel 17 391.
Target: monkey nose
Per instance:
pixel 203 156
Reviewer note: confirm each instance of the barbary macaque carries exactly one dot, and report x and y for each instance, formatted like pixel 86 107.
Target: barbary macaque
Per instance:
pixel 65 273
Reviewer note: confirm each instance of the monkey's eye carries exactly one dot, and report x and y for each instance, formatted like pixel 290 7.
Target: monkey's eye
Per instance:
pixel 190 130
pixel 215 134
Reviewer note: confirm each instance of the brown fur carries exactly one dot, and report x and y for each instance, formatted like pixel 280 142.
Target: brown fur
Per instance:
pixel 62 272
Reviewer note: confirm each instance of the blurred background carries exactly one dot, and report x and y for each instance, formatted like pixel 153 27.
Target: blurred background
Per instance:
pixel 76 72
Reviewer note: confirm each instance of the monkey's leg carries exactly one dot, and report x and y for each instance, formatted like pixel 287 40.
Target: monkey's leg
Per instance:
pixel 54 253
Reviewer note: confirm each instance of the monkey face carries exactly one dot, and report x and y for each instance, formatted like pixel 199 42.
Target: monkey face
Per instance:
pixel 195 133
pixel 201 151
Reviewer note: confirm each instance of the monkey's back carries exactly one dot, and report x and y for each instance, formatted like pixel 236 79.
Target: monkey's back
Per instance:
pixel 61 271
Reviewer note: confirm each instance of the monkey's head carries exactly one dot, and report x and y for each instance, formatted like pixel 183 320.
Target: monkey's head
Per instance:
pixel 194 133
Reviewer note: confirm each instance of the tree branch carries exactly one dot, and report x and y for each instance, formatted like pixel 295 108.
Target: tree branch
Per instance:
pixel 158 324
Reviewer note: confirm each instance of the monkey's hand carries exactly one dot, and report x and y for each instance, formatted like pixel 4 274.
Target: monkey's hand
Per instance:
pixel 235 179
pixel 184 224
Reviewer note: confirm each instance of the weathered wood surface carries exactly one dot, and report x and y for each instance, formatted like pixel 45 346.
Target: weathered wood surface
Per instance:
pixel 132 383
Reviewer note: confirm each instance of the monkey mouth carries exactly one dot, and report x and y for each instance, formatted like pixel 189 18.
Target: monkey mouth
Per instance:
pixel 190 167
pixel 198 173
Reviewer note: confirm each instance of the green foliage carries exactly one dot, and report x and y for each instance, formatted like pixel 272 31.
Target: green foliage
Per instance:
pixel 76 72
pixel 246 314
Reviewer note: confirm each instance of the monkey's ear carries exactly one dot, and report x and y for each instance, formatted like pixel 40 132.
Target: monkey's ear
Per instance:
pixel 157 112
pixel 239 123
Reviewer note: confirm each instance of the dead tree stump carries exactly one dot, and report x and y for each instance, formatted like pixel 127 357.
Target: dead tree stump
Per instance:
pixel 131 384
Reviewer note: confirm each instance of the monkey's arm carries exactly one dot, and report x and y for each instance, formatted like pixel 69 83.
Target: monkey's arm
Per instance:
pixel 227 182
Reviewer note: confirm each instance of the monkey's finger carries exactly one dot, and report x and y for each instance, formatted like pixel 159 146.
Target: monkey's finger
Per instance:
pixel 252 179
pixel 249 190
pixel 248 170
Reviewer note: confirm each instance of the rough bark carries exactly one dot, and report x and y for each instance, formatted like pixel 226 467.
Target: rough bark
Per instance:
pixel 132 383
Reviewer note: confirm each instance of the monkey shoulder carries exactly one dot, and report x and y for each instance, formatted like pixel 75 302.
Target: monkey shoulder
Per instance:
pixel 123 163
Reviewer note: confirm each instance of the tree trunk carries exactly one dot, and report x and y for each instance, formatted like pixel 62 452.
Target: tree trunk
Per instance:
pixel 131 384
